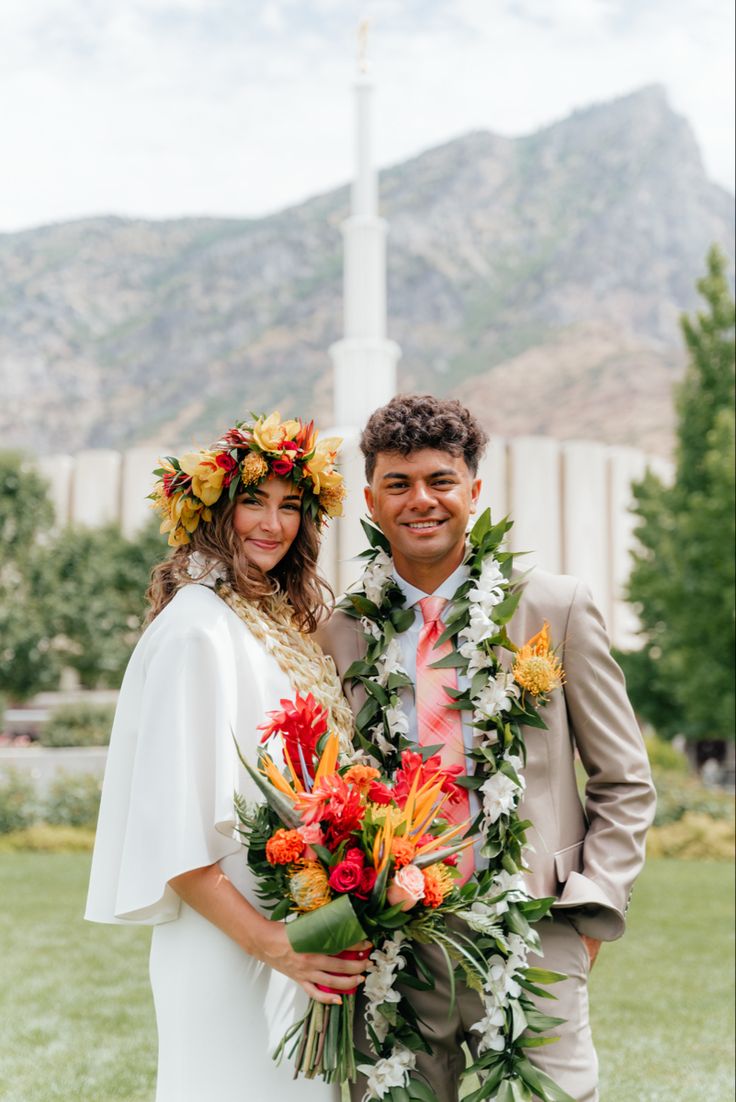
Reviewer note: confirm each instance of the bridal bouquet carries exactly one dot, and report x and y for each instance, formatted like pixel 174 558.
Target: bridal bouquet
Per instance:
pixel 351 855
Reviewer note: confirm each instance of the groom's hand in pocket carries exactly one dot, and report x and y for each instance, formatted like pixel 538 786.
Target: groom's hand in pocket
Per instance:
pixel 593 946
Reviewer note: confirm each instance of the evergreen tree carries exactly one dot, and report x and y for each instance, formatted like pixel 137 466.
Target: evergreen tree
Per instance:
pixel 683 575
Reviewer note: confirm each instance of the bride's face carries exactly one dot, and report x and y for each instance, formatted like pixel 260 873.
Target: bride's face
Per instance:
pixel 267 520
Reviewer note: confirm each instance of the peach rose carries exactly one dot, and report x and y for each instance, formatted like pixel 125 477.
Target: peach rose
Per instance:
pixel 407 887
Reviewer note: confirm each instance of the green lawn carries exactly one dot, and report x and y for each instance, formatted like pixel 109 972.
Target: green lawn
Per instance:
pixel 76 1020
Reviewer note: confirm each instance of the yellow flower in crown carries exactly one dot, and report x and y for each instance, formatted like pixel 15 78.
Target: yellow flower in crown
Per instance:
pixel 189 513
pixel 253 469
pixel 269 433
pixel 536 667
pixel 244 456
pixel 206 474
pixel 321 467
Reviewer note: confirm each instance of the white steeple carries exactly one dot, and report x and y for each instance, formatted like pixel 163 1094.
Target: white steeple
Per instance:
pixel 364 360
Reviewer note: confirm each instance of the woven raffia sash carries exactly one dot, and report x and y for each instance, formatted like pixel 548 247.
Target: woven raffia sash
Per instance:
pixel 309 670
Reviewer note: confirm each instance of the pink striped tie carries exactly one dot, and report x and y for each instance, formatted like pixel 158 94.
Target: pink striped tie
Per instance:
pixel 436 723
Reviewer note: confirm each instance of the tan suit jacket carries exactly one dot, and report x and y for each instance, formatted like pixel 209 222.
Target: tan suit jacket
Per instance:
pixel 586 856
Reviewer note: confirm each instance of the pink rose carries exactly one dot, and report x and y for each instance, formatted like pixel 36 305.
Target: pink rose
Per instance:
pixel 312 834
pixel 407 887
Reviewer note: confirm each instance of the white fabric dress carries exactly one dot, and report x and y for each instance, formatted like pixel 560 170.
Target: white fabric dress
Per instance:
pixel 196 679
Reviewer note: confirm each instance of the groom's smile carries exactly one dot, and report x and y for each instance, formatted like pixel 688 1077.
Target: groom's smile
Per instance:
pixel 422 503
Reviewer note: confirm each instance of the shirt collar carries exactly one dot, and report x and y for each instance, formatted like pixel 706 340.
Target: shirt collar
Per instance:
pixel 447 590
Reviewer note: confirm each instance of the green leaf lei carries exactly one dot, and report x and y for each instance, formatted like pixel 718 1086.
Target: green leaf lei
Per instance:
pixel 499 910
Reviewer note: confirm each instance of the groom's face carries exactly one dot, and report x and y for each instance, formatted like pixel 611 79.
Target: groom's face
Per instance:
pixel 422 502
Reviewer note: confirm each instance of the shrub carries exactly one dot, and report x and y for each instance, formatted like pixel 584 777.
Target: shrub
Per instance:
pixel 73 800
pixel 43 838
pixel 18 804
pixel 695 837
pixel 664 757
pixel 81 724
pixel 678 795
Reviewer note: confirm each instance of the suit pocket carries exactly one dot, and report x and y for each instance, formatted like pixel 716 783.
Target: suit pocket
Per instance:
pixel 568 860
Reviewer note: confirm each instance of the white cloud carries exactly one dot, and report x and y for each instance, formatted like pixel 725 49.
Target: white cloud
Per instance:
pixel 164 107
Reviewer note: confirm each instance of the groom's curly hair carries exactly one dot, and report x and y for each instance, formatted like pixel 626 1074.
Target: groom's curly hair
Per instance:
pixel 410 422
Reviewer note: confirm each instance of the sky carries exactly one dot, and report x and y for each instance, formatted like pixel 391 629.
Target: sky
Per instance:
pixel 164 108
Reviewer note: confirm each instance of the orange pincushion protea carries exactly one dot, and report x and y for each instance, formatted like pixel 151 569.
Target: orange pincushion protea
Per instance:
pixel 310 887
pixel 536 667
pixel 284 847
pixel 438 882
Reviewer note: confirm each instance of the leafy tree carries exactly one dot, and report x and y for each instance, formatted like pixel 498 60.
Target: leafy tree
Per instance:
pixel 93 583
pixel 683 576
pixel 75 598
pixel 27 660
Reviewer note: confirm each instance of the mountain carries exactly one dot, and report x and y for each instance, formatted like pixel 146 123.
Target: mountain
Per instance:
pixel 538 278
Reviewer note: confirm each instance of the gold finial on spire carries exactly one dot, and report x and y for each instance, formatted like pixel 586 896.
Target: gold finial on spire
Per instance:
pixel 363 46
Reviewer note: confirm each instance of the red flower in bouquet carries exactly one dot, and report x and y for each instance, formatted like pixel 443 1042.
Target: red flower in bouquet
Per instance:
pixel 335 804
pixel 379 793
pixel 352 875
pixel 302 722
pixel 431 769
pixel 346 876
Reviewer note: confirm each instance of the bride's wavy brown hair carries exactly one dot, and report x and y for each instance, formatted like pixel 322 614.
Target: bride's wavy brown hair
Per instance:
pixel 217 541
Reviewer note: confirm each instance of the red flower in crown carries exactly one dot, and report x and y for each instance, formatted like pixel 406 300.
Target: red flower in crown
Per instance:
pixel 234 438
pixel 304 439
pixel 283 466
pixel 229 465
pixel 301 723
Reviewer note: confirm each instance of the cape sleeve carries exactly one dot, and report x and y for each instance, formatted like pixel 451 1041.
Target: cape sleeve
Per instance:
pixel 167 802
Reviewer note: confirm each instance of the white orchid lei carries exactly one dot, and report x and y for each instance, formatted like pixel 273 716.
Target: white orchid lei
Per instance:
pixel 496 905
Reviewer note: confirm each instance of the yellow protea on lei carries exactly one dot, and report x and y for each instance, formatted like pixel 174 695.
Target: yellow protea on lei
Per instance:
pixel 246 455
pixel 536 667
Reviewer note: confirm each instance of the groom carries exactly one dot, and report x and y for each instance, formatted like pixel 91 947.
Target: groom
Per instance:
pixel 421 461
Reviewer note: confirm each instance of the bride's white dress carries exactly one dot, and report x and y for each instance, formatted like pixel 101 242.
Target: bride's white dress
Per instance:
pixel 196 680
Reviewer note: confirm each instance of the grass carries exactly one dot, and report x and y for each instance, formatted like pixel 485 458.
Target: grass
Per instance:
pixel 77 1018
pixel 662 997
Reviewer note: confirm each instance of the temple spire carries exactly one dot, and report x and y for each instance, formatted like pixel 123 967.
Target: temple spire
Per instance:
pixel 364 360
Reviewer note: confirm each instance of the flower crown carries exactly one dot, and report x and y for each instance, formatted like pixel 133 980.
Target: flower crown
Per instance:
pixel 243 458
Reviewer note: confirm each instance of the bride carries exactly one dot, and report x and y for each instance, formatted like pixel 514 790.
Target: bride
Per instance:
pixel 232 614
